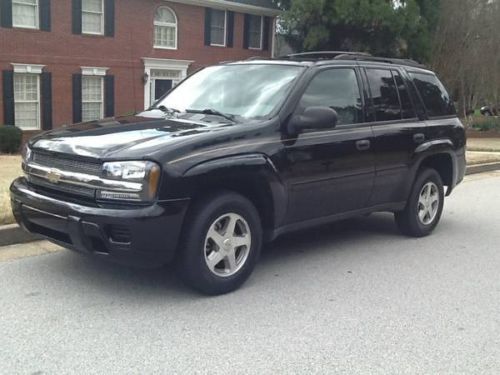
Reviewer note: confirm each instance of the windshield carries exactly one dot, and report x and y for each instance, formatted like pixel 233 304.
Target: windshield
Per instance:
pixel 249 90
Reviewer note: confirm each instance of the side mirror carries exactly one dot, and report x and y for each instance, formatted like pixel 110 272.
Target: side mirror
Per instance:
pixel 313 118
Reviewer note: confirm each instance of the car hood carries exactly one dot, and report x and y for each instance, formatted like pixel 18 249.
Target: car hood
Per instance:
pixel 137 136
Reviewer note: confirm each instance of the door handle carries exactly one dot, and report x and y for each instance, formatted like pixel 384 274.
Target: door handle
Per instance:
pixel 363 145
pixel 419 138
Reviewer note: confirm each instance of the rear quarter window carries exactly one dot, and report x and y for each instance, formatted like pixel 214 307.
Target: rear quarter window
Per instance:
pixel 436 99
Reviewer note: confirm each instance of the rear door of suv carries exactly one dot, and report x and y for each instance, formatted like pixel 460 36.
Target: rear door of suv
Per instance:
pixel 397 131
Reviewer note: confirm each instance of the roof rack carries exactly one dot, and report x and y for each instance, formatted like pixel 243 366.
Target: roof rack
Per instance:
pixel 321 55
pixel 345 55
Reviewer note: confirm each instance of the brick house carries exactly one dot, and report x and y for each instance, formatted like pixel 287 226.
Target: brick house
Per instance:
pixel 65 61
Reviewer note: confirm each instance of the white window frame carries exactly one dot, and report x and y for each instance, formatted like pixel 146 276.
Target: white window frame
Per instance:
pixel 88 71
pixel 102 20
pixel 261 46
pixel 37 15
pixel 166 24
pixel 225 29
pixel 34 70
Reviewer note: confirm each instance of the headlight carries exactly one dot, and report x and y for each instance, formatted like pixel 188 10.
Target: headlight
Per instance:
pixel 144 174
pixel 26 153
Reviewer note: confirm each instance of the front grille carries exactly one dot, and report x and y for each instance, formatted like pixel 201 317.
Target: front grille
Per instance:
pixel 62 187
pixel 66 163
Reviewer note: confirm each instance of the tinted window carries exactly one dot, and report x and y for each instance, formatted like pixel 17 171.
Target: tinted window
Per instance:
pixel 337 89
pixel 436 99
pixel 404 97
pixel 384 93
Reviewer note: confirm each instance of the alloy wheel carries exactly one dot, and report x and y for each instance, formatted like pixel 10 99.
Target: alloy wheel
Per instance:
pixel 227 245
pixel 428 203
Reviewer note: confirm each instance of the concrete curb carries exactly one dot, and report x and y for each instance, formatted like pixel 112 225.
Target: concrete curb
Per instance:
pixel 13 234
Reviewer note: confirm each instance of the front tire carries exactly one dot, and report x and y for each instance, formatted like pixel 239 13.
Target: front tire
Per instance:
pixel 221 243
pixel 424 207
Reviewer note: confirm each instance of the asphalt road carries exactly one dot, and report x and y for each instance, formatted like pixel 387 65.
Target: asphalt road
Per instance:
pixel 354 297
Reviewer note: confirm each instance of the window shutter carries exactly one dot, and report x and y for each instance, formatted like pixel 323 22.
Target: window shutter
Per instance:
pixel 208 22
pixel 230 29
pixel 76 13
pixel 6 13
pixel 109 96
pixel 44 15
pixel 8 97
pixel 246 32
pixel 109 20
pixel 77 98
pixel 46 92
pixel 267 31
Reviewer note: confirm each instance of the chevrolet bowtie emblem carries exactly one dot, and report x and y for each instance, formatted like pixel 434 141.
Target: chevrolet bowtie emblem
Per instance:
pixel 54 176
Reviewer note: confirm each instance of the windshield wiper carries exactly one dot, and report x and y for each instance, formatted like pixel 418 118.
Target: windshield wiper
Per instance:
pixel 168 110
pixel 211 111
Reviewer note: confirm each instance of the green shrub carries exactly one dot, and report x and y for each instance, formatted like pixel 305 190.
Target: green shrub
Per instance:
pixel 486 123
pixel 10 139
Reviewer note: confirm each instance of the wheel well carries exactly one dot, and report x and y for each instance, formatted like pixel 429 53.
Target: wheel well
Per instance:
pixel 255 192
pixel 443 164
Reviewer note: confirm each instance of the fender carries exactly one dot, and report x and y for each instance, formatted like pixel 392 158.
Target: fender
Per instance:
pixel 253 173
pixel 437 147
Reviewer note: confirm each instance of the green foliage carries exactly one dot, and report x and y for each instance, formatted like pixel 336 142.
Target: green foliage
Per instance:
pixel 380 27
pixel 486 123
pixel 10 139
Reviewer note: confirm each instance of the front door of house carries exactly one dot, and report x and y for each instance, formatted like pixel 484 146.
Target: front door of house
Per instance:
pixel 160 87
pixel 162 80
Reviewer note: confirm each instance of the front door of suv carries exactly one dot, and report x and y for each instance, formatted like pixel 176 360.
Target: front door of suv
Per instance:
pixel 397 132
pixel 330 171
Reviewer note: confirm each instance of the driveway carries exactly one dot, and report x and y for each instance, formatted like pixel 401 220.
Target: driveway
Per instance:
pixel 354 297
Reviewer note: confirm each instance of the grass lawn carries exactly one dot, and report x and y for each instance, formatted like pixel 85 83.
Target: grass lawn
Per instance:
pixel 10 168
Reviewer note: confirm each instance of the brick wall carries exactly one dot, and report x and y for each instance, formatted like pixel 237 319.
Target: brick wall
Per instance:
pixel 63 53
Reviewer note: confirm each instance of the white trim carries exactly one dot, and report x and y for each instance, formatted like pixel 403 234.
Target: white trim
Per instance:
pixel 27 68
pixel 166 24
pixel 162 64
pixel 93 71
pixel 231 5
pixel 273 38
pixel 225 31
pixel 37 15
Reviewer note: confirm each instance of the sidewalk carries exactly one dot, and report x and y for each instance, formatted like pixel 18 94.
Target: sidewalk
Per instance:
pixel 483 144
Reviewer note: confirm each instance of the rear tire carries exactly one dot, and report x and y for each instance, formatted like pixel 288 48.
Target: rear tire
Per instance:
pixel 221 243
pixel 424 207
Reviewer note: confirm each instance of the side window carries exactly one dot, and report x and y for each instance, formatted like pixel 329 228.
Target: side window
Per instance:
pixel 406 104
pixel 434 95
pixel 384 93
pixel 337 89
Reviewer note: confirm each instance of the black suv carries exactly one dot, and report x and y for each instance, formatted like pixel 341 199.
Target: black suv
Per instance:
pixel 242 152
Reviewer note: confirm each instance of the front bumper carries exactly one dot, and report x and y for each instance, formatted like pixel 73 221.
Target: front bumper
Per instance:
pixel 139 236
